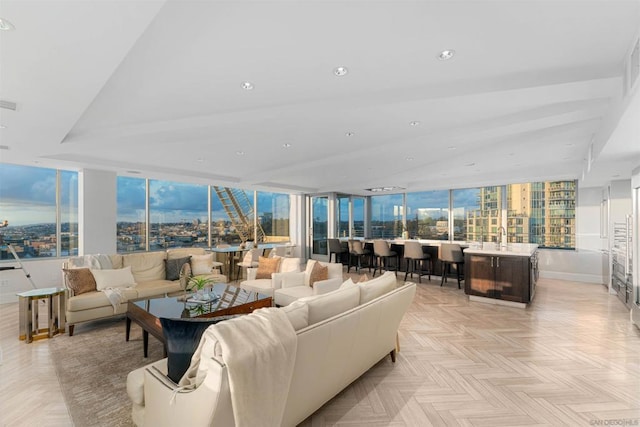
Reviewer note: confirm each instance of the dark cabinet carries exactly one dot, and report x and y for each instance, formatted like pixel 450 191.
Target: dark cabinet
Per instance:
pixel 497 276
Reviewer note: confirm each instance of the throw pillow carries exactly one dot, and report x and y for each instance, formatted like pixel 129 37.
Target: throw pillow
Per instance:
pixel 173 267
pixel 182 337
pixel 267 266
pixel 117 278
pixel 318 272
pixel 347 284
pixel 201 264
pixel 80 280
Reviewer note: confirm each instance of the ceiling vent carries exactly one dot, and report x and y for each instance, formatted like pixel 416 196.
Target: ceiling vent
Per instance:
pixel 8 105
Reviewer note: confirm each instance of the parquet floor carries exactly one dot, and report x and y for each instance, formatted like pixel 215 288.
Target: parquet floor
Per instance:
pixel 572 358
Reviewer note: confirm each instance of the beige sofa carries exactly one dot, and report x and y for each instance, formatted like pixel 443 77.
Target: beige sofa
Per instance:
pixel 339 336
pixel 148 270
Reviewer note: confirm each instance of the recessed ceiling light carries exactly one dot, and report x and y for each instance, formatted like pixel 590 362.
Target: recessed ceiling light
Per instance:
pixel 286 145
pixel 451 148
pixel 3 127
pixel 240 153
pixel 340 71
pixel 200 159
pixel 6 25
pixel 569 144
pixel 512 154
pixel 446 54
pixel 4 147
pixel 134 172
pixel 247 85
pixel 414 123
pixel 409 159
pixel 349 133
pixel 470 164
pixel 615 176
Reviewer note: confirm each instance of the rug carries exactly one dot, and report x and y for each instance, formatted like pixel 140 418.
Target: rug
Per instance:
pixel 92 367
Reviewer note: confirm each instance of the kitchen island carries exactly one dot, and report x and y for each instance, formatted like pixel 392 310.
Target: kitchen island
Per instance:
pixel 504 275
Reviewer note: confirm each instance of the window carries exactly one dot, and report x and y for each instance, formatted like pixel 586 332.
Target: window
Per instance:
pixel 273 216
pixel 428 215
pixel 342 218
pixel 358 216
pixel 131 214
pixel 178 215
pixel 30 199
pixel 467 226
pixel 386 216
pixel 68 213
pixel 227 225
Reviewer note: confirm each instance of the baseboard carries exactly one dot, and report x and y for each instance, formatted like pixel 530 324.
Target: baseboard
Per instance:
pixel 497 301
pixel 573 277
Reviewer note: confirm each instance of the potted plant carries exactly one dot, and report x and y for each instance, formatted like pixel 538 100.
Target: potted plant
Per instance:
pixel 198 283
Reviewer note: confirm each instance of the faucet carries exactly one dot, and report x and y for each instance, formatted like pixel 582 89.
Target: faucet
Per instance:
pixel 501 232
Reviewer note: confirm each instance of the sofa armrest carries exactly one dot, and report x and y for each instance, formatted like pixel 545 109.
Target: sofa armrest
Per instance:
pixel 251 273
pixel 291 279
pixel 326 286
pixel 165 403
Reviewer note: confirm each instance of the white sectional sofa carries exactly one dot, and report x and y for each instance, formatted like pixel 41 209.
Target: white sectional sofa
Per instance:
pixel 149 273
pixel 338 337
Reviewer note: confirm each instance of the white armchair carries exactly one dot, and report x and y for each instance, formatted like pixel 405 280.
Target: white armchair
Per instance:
pixel 294 286
pixel 267 286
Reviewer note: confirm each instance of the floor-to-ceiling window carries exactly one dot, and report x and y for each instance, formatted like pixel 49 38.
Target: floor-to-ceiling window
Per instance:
pixel 131 214
pixel 428 215
pixel 40 206
pixel 273 215
pixel 232 215
pixel 386 216
pixel 178 215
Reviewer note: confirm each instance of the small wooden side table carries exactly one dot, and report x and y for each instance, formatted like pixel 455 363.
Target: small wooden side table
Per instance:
pixel 29 327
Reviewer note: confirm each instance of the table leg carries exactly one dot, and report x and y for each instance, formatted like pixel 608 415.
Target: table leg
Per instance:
pixel 145 342
pixel 30 318
pixel 50 313
pixel 127 329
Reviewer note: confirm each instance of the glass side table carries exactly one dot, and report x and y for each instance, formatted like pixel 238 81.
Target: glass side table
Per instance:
pixel 28 308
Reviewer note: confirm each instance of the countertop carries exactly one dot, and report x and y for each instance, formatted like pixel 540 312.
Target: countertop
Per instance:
pixel 511 249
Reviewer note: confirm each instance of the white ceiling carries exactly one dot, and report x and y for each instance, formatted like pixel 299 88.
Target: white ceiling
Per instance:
pixel 155 87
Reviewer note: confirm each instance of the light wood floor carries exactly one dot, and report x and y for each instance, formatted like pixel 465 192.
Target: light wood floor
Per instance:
pixel 572 358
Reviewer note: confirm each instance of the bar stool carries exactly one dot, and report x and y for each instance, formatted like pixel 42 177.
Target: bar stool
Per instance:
pixel 413 255
pixel 383 253
pixel 357 250
pixel 335 247
pixel 451 253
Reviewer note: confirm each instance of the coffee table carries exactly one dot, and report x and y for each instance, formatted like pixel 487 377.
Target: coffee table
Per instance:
pixel 231 300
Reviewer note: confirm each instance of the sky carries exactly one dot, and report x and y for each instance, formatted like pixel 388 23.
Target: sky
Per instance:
pixel 28 194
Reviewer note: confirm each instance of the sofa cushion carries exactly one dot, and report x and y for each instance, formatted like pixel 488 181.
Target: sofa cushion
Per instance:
pixel 348 284
pixel 328 305
pixel 318 272
pixel 146 265
pixel 376 287
pixel 267 266
pixel 154 288
pixel 80 280
pixel 116 260
pixel 287 296
pixel 201 264
pixel 184 252
pixel 182 337
pixel 289 264
pixel 298 314
pixel 116 278
pixel 173 267
pixel 90 300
